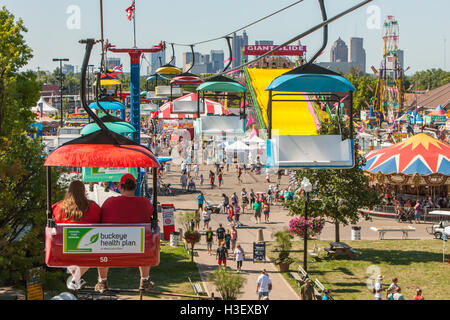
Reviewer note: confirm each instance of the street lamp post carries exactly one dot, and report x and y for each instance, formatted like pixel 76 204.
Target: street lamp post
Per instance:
pixel 61 86
pixel 307 188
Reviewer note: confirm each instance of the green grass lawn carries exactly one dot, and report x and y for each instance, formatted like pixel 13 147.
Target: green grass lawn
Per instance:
pixel 416 263
pixel 170 276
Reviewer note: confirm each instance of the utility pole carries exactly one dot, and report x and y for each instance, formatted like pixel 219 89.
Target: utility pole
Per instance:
pixel 61 76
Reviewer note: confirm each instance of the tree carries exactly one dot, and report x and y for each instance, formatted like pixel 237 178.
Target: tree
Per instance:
pixel 227 283
pixel 428 79
pixel 14 54
pixel 22 174
pixel 365 86
pixel 338 193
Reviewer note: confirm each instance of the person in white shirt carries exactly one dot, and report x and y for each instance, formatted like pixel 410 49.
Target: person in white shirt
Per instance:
pixel 378 288
pixel 263 285
pixel 183 166
pixel 398 295
pixel 239 256
pixel 196 168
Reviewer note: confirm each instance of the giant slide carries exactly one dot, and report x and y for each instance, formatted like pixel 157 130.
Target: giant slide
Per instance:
pixel 290 118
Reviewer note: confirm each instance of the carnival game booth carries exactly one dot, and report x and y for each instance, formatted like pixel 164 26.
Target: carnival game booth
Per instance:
pixel 83 245
pixel 437 117
pixel 412 169
pixel 289 144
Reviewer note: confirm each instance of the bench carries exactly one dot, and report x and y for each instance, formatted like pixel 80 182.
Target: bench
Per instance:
pixel 321 288
pixel 382 231
pixel 197 287
pixel 300 275
pixel 315 252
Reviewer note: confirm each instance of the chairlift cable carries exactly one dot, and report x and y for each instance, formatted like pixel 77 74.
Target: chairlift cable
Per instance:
pixel 246 26
pixel 298 37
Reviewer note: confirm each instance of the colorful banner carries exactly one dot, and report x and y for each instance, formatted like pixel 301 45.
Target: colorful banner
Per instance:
pixel 104 240
pixel 106 174
pixel 258 50
pixel 78 117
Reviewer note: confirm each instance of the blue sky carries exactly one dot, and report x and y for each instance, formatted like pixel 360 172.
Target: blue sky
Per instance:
pixel 423 26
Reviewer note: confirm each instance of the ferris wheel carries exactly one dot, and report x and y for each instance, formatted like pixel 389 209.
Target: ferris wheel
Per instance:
pixel 389 99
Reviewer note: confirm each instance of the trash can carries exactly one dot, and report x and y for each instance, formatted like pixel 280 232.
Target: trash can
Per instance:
pixel 174 239
pixel 356 233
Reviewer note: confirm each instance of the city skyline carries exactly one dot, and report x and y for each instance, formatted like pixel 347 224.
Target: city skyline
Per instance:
pixel 48 34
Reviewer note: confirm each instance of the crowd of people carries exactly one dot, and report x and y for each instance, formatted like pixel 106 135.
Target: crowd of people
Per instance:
pixel 393 292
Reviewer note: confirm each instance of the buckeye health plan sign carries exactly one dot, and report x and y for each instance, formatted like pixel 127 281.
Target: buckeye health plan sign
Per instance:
pixel 104 240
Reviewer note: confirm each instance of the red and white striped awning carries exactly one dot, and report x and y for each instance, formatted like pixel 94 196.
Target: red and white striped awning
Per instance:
pixel 186 80
pixel 212 108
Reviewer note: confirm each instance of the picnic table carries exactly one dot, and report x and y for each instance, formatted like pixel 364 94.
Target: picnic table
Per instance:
pixel 340 249
pixel 382 231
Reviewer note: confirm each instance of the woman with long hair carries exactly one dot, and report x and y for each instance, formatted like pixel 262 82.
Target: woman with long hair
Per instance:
pixel 76 208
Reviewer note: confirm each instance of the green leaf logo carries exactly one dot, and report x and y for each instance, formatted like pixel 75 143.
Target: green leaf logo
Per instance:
pixel 93 239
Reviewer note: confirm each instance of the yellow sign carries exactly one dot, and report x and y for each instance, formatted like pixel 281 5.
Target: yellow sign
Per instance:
pixel 35 292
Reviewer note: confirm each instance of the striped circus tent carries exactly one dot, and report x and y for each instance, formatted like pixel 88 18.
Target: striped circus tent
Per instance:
pixel 212 108
pixel 420 154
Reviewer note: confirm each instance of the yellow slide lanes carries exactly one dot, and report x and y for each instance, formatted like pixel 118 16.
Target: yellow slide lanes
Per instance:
pixel 290 118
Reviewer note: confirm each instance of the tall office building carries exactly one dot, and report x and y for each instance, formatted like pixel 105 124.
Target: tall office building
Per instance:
pixel 339 51
pixel 112 62
pixel 217 60
pixel 157 59
pixel 67 68
pixel 237 44
pixel 357 54
pixel 264 42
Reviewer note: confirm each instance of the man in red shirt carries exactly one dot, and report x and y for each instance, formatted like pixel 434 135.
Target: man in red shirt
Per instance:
pixel 126 209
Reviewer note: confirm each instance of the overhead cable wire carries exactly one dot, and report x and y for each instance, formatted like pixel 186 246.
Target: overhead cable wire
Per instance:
pixel 298 37
pixel 246 26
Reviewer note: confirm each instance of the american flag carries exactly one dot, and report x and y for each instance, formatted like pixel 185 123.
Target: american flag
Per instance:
pixel 118 69
pixel 130 11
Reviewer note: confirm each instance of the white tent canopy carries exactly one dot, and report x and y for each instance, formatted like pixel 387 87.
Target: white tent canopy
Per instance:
pixel 255 139
pixel 46 108
pixel 239 146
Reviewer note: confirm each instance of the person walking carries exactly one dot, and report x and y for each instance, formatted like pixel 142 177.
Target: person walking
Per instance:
pixel 228 239
pixel 196 170
pixel 245 201
pixel 220 178
pixel 307 291
pixel 206 215
pixel 252 198
pixel 225 203
pixel 237 214
pixel 263 285
pixel 239 174
pixel 417 212
pixel 266 211
pixel 230 215
pixel 220 233
pixel 200 201
pixel 222 255
pixel 201 179
pixel 209 239
pixel 257 211
pixel 183 180
pixel 234 236
pixel 239 256
pixel 212 178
